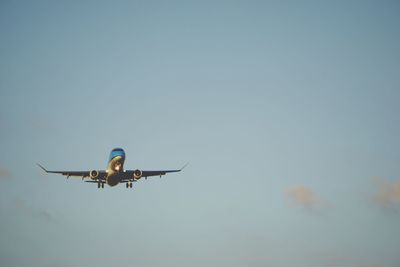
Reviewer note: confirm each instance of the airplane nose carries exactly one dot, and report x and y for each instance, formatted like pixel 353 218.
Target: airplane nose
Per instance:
pixel 117 166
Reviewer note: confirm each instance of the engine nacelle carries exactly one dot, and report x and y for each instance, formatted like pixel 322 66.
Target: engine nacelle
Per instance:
pixel 137 174
pixel 94 174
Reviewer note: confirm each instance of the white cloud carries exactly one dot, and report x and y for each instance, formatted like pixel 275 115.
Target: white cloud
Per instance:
pixel 23 207
pixel 4 173
pixel 387 193
pixel 306 197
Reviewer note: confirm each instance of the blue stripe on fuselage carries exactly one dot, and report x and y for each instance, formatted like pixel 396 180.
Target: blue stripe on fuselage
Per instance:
pixel 117 152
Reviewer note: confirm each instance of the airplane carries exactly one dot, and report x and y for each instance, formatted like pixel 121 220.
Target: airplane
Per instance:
pixel 115 173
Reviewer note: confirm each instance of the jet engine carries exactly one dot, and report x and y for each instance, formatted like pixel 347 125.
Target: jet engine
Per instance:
pixel 94 174
pixel 137 174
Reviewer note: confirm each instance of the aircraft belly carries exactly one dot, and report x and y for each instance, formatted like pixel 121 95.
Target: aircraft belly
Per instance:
pixel 113 180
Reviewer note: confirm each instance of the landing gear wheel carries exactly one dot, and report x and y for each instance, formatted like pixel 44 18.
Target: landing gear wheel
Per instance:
pixel 102 185
pixel 98 185
pixel 127 185
pixel 130 184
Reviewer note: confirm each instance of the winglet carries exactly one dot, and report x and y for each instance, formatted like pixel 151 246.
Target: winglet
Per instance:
pixel 42 167
pixel 184 166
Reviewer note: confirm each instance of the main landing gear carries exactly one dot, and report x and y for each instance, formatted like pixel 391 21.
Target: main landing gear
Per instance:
pixel 129 185
pixel 100 185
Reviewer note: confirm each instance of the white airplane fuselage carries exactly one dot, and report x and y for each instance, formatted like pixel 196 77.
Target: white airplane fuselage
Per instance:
pixel 115 168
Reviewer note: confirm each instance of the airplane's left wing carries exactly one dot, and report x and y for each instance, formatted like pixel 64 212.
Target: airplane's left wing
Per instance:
pixel 98 175
pixel 145 174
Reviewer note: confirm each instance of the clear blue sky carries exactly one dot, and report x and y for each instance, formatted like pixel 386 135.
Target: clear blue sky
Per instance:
pixel 287 111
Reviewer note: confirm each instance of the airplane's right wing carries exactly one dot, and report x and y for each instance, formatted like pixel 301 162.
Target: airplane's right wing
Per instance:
pixel 97 175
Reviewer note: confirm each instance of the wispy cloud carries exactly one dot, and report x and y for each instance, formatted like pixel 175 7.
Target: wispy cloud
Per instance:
pixel 23 207
pixel 305 197
pixel 4 173
pixel 387 193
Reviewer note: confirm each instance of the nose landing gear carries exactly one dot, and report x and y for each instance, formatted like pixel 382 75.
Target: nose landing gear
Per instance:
pixel 129 185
